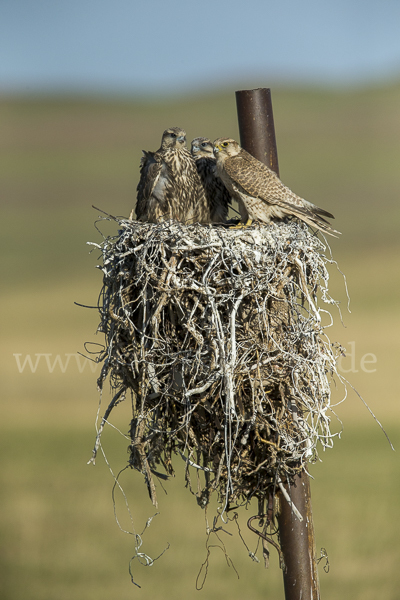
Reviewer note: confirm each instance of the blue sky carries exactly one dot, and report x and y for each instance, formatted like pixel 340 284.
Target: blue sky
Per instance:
pixel 174 46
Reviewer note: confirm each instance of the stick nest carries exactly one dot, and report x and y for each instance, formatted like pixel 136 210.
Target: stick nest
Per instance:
pixel 217 335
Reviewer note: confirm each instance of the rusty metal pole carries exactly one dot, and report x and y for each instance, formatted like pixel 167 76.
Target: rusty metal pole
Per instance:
pixel 298 542
pixel 300 577
pixel 256 125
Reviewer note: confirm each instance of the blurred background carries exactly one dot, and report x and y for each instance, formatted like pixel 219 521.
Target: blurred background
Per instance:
pixel 85 85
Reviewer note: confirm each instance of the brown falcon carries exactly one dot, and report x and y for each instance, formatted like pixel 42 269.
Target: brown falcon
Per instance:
pixel 259 191
pixel 216 193
pixel 169 185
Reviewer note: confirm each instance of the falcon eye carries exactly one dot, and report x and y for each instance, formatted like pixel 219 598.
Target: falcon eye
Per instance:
pixel 204 144
pixel 224 144
pixel 173 135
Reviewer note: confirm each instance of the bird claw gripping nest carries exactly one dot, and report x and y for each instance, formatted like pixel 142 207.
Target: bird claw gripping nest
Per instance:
pixel 217 335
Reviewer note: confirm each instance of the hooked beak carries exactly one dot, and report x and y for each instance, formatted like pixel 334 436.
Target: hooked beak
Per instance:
pixel 181 138
pixel 195 148
pixel 216 149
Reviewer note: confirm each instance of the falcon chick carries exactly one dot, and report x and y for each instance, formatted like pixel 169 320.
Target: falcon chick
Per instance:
pixel 259 191
pixel 215 191
pixel 169 185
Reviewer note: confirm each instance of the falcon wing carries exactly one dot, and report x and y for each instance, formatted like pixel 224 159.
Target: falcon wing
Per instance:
pixel 258 181
pixel 150 170
pixel 216 193
pixel 255 178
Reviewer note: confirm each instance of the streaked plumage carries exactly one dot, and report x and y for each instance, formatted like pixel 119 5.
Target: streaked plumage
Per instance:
pixel 216 193
pixel 259 191
pixel 169 185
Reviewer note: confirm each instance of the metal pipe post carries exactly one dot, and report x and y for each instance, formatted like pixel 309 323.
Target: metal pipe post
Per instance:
pixel 300 577
pixel 256 125
pixel 298 542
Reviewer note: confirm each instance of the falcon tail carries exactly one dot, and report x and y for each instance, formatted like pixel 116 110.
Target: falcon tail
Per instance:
pixel 312 217
pixel 321 211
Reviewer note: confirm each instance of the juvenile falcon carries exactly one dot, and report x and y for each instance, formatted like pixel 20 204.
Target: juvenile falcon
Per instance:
pixel 169 185
pixel 259 191
pixel 216 193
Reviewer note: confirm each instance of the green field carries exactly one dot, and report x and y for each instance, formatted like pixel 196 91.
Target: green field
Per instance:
pixel 339 150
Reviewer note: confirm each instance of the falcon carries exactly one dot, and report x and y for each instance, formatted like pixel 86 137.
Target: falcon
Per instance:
pixel 259 191
pixel 169 185
pixel 215 191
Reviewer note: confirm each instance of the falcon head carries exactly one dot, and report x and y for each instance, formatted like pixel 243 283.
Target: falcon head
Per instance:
pixel 225 147
pixel 202 148
pixel 174 137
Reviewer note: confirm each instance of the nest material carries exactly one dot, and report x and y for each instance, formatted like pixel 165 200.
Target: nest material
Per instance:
pixel 217 334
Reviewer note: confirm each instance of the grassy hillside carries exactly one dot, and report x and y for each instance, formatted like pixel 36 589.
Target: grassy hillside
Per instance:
pixel 58 157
